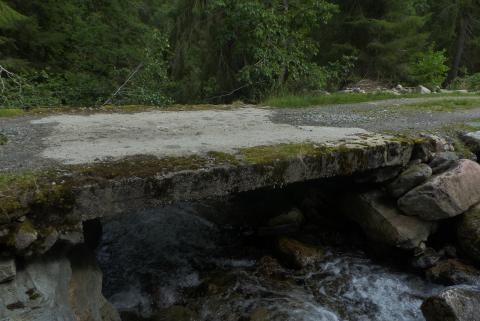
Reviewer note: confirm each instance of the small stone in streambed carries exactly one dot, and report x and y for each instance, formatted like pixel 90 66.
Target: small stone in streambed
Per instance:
pixel 428 258
pixel 270 267
pixel 174 313
pixel 453 304
pixel 261 314
pixel 409 179
pixel 453 272
pixel 296 254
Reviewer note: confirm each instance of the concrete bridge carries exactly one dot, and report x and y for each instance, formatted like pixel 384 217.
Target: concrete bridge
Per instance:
pixel 74 167
pixel 59 172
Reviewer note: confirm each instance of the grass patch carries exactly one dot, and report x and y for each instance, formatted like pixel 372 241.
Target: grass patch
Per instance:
pixel 11 112
pixel 288 101
pixel 446 105
pixel 3 140
pixel 269 154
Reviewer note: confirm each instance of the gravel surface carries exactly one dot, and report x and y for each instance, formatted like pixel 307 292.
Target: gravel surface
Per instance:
pixel 39 141
pixel 386 116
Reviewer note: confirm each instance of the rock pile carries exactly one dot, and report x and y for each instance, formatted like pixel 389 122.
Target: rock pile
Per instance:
pixel 439 191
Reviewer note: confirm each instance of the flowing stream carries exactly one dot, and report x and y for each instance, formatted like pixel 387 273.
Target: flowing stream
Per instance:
pixel 173 257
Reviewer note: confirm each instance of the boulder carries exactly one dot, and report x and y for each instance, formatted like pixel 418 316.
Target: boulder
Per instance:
pixel 56 288
pixel 412 177
pixel 472 140
pixel 7 270
pixel 293 217
pixel 443 161
pixel 25 236
pixel 423 90
pixel 425 259
pixel 453 304
pixel 174 313
pixel 382 222
pixel 453 272
pixel 446 195
pixel 297 254
pixel 468 233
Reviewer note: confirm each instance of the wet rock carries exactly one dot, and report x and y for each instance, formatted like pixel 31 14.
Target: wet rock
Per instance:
pixel 412 177
pixel 270 267
pixel 297 254
pixel 448 251
pixel 443 161
pixel 446 195
pixel 453 304
pixel 174 313
pixel 293 217
pixel 453 272
pixel 7 270
pixel 59 288
pixel 468 233
pixel 382 222
pixel 261 314
pixel 286 223
pixel 49 241
pixel 425 259
pixel 25 236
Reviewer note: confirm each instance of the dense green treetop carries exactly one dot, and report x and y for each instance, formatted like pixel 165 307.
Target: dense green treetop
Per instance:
pixel 80 52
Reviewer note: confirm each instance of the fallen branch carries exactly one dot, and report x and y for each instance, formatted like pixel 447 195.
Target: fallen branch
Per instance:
pixel 109 100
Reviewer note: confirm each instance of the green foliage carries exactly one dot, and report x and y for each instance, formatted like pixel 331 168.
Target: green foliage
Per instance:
pixel 8 16
pixel 446 105
pixel 430 68
pixel 80 52
pixel 469 82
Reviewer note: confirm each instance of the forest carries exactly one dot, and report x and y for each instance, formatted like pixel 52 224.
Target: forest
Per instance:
pixel 158 52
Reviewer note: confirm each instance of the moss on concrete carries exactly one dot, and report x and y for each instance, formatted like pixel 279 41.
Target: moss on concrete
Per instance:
pixel 273 153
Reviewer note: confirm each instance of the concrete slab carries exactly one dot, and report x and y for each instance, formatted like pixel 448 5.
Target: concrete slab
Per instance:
pixel 77 139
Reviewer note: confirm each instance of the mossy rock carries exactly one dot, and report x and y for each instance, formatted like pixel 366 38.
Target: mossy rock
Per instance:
pixel 468 233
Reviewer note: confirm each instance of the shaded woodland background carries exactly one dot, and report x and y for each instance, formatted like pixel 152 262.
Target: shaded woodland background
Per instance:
pixel 79 52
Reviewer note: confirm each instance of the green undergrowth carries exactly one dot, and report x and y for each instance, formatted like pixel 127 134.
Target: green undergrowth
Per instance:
pixel 290 101
pixel 446 105
pixel 3 139
pixel 17 112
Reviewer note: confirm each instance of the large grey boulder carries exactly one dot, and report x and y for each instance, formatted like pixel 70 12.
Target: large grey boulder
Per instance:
pixel 446 195
pixel 468 233
pixel 56 289
pixel 453 304
pixel 423 90
pixel 412 177
pixel 382 222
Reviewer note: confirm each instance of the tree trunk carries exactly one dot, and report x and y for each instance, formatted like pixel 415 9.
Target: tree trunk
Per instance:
pixel 459 49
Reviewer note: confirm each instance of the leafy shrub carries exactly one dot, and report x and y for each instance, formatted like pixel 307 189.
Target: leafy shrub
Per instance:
pixel 430 68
